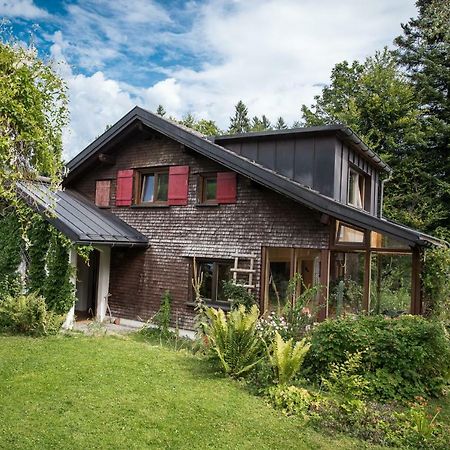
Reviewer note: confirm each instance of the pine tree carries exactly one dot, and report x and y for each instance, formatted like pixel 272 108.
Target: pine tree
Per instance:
pixel 280 124
pixel 188 120
pixel 240 123
pixel 424 52
pixel 160 111
pixel 266 123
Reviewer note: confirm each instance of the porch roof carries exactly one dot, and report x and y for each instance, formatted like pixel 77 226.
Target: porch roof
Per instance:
pixel 77 218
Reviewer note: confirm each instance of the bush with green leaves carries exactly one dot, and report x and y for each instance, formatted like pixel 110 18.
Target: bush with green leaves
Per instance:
pixel 238 295
pixel 233 339
pixel 286 358
pixel 292 400
pixel 162 318
pixel 28 314
pixel 400 358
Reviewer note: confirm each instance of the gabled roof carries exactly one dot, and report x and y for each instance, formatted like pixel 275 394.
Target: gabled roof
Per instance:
pixel 261 175
pixel 77 218
pixel 345 133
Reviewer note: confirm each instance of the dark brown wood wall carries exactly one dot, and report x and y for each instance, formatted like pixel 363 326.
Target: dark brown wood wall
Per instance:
pixel 177 233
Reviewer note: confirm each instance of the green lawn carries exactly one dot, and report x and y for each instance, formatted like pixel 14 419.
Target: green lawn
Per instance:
pixel 108 392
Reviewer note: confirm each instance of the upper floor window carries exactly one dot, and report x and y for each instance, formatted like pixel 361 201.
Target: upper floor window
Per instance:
pixel 217 188
pixel 153 187
pixel 208 188
pixel 356 189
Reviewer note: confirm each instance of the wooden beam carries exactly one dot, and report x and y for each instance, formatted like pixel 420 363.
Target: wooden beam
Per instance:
pixel 416 285
pixel 325 283
pixel 367 279
pixel 106 159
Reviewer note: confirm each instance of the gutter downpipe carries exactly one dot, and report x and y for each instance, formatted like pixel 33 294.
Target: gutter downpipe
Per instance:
pixel 385 180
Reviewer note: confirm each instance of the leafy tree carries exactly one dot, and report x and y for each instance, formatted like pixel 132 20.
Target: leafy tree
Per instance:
pixel 207 127
pixel 424 52
pixel 378 101
pixel 33 112
pixel 239 123
pixel 280 124
pixel 160 111
pixel 188 120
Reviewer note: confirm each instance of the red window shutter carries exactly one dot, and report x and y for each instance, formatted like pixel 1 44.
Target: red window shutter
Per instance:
pixel 178 185
pixel 226 187
pixel 102 192
pixel 124 190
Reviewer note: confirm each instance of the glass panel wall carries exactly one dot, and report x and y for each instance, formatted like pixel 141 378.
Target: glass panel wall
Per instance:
pixel 346 283
pixel 390 293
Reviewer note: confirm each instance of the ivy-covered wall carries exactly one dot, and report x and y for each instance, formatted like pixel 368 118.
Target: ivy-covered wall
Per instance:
pixel 45 252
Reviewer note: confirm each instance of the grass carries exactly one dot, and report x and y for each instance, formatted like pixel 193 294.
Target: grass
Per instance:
pixel 109 392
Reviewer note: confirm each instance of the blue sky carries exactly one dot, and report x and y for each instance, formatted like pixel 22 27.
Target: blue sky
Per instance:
pixel 199 56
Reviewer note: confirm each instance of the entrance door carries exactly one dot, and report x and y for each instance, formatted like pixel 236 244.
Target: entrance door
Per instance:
pixel 87 286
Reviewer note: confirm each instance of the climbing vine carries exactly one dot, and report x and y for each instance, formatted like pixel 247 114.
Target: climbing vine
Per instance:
pixel 38 236
pixel 436 282
pixel 10 254
pixel 58 289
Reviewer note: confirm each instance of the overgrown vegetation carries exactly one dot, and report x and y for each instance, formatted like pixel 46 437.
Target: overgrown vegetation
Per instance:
pixel 28 314
pixel 400 358
pixel 33 106
pixel 43 290
pixel 436 283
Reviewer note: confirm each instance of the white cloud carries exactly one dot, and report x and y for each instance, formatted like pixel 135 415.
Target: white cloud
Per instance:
pixel 24 9
pixel 273 54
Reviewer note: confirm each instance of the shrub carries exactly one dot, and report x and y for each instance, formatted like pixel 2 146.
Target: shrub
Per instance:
pixel 286 357
pixel 162 318
pixel 28 314
pixel 234 340
pixel 401 358
pixel 238 295
pixel 292 400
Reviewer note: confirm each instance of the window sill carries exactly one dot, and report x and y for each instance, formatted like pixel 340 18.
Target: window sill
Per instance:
pixel 206 205
pixel 222 305
pixel 151 205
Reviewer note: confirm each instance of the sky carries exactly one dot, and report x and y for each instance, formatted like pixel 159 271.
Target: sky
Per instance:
pixel 198 57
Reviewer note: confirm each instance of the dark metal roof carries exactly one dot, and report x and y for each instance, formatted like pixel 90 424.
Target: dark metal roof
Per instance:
pixel 342 131
pixel 80 220
pixel 261 175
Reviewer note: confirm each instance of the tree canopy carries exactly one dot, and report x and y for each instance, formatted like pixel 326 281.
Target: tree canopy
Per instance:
pixel 33 112
pixel 379 100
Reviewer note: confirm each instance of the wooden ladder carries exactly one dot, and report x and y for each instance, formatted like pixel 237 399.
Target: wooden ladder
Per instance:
pixel 250 271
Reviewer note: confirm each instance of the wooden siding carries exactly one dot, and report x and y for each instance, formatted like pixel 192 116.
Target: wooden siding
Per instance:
pixel 259 218
pixel 320 162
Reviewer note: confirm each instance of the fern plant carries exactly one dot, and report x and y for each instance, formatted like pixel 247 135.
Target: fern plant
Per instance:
pixel 234 340
pixel 286 358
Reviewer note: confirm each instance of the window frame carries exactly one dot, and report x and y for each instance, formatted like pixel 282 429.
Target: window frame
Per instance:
pixel 215 282
pixel 348 244
pixel 361 179
pixel 201 183
pixel 139 185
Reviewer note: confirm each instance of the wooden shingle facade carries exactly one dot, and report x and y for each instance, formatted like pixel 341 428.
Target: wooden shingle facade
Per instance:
pixel 277 200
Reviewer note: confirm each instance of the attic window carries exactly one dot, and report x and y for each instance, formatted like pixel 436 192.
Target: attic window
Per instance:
pixel 153 187
pixel 356 189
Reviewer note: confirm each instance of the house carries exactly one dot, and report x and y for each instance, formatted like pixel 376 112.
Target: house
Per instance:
pixel 152 197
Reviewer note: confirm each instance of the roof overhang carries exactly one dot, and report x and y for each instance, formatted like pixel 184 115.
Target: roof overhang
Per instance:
pixel 259 174
pixel 78 219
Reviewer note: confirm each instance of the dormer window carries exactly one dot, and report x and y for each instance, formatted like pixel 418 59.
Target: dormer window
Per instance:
pixel 356 189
